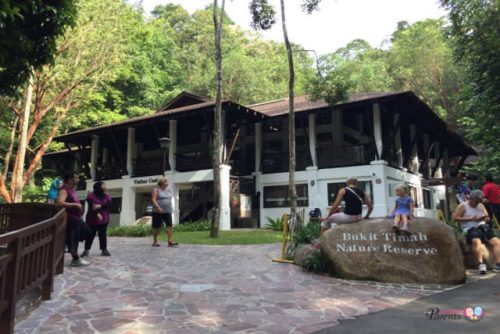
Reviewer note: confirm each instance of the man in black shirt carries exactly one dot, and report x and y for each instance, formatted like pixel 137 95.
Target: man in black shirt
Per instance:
pixel 354 199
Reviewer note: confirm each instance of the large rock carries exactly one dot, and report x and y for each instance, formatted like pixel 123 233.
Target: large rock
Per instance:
pixel 302 253
pixel 369 250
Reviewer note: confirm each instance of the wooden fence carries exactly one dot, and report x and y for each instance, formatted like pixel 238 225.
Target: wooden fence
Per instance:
pixel 32 242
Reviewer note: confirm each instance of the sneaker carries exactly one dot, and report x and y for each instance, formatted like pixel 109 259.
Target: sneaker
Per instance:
pixel 482 269
pixel 496 268
pixel 85 253
pixel 79 263
pixel 172 244
pixel 405 230
pixel 105 253
pixel 395 229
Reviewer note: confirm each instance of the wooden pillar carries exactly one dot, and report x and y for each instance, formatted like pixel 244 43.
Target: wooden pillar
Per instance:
pixel 93 157
pixel 172 150
pixel 258 146
pixel 130 151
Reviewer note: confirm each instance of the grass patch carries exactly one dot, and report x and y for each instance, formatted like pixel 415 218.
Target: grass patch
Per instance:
pixel 226 237
pixel 190 234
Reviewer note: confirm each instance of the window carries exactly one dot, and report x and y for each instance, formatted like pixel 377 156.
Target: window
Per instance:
pixel 427 198
pixel 414 195
pixel 277 196
pixel 333 189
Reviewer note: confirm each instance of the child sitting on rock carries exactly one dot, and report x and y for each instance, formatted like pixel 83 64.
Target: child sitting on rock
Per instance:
pixel 403 210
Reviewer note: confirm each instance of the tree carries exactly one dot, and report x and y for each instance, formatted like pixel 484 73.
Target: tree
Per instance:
pixel 263 18
pixel 85 56
pixel 420 59
pixel 28 33
pixel 218 138
pixel 475 29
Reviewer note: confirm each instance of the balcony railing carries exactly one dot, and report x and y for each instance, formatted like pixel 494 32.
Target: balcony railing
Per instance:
pixel 148 166
pixel 329 157
pixel 109 172
pixel 188 162
pixel 279 162
pixel 31 251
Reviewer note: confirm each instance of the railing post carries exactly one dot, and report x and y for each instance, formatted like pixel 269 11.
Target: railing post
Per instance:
pixel 48 283
pixel 61 238
pixel 7 317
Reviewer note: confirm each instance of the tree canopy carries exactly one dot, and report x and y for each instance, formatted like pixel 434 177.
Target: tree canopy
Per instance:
pixel 28 33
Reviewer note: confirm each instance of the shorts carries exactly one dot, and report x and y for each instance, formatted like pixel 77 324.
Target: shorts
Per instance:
pixel 340 218
pixel 482 232
pixel 160 218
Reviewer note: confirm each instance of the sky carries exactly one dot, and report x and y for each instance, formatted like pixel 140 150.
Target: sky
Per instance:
pixel 337 23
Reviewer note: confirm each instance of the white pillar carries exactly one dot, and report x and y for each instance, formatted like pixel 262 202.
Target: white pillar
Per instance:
pixel 377 129
pixel 312 138
pixel 175 194
pixel 225 214
pixel 258 146
pixel 93 156
pixel 127 214
pixel 130 151
pixel 172 150
pixel 381 200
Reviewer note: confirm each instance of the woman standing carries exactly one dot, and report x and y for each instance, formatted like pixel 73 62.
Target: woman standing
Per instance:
pixel 98 218
pixel 162 211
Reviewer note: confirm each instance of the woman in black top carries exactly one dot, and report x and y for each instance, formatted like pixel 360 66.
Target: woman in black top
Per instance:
pixel 354 199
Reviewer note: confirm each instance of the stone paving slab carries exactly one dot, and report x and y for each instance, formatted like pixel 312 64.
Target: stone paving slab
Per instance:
pixel 204 289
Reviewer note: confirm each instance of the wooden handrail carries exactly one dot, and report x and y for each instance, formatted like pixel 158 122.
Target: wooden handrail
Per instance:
pixel 34 253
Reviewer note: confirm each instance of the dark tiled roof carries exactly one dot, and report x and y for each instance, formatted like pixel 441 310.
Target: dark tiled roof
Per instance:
pixel 302 103
pixel 140 119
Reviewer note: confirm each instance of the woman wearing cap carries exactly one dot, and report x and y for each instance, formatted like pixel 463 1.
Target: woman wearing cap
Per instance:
pixel 162 211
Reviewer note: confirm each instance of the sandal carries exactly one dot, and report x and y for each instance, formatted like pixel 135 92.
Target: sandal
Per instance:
pixel 172 244
pixel 156 245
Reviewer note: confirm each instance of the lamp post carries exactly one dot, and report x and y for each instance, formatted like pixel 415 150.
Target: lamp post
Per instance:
pixel 164 145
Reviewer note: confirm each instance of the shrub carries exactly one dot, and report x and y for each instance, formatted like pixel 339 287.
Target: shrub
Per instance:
pixel 130 231
pixel 274 224
pixel 145 230
pixel 315 262
pixel 201 225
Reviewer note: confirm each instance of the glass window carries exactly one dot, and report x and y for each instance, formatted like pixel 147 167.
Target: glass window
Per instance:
pixel 277 196
pixel 427 198
pixel 333 189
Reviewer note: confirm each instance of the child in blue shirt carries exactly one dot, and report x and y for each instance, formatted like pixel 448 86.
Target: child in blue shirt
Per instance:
pixel 403 210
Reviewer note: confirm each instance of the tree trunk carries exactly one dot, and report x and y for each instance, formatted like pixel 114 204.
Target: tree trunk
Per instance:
pixel 18 180
pixel 218 131
pixel 291 118
pixel 12 139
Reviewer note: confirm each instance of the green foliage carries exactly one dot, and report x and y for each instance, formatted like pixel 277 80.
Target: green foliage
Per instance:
pixel 37 192
pixel 303 235
pixel 233 237
pixel 28 33
pixel 315 262
pixel 130 231
pixel 263 14
pixel 201 225
pixel 476 45
pixel 274 224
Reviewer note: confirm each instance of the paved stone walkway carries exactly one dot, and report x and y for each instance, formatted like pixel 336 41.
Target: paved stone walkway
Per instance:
pixel 204 289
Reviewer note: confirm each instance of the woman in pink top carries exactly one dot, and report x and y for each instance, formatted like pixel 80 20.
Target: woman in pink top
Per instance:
pixel 98 218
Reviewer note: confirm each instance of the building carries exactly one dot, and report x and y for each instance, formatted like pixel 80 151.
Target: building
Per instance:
pixel 384 139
